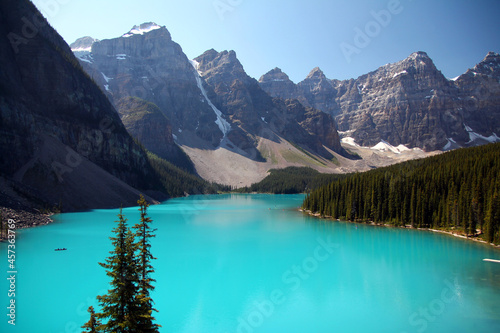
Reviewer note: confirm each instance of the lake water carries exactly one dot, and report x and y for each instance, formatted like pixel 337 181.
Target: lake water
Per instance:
pixel 253 263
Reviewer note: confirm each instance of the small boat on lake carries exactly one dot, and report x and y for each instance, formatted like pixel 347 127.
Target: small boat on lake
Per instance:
pixel 492 260
pixel 61 249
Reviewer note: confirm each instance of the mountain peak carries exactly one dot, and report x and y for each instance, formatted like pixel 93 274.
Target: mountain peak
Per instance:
pixel 419 54
pixel 316 73
pixel 416 59
pixel 229 57
pixel 276 70
pixel 492 57
pixel 143 29
pixel 275 74
pixel 220 61
pixel 83 44
pixel 231 54
pixel 419 57
pixel 489 66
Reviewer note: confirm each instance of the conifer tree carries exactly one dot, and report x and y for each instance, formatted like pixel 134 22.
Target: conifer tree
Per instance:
pixel 119 306
pixel 412 207
pixel 92 326
pixel 493 218
pixel 144 232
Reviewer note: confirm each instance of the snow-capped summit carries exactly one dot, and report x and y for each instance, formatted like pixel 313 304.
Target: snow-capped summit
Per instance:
pixel 83 45
pixel 142 29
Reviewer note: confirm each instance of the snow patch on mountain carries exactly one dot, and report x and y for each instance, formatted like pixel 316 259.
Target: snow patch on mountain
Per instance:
pixel 106 78
pixel 382 146
pixel 473 136
pixel 385 146
pixel 451 144
pixel 447 146
pixel 350 141
pixel 142 29
pixel 400 73
pixel 82 49
pixel 224 126
pixel 85 60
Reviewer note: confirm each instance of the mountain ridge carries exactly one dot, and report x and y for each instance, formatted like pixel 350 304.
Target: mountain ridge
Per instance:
pixel 402 89
pixel 395 109
pixel 210 101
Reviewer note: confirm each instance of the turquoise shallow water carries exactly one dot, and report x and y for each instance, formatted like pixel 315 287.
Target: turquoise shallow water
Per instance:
pixel 253 263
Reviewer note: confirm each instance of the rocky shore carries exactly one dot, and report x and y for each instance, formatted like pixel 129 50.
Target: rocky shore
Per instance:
pixel 23 219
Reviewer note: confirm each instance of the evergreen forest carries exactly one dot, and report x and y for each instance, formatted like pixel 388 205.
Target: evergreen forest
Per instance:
pixel 457 191
pixel 291 180
pixel 177 182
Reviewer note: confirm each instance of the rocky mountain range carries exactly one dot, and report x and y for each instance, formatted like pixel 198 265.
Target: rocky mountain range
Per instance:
pixel 208 103
pixel 74 129
pixel 407 103
pixel 217 113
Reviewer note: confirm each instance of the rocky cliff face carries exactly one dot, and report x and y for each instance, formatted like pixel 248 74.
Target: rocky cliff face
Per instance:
pixel 210 102
pixel 479 97
pixel 145 121
pixel 256 114
pixel 58 130
pixel 279 84
pixel 409 103
pixel 146 63
pixel 83 46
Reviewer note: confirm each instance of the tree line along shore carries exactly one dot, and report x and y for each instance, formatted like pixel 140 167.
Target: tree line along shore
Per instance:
pixel 458 191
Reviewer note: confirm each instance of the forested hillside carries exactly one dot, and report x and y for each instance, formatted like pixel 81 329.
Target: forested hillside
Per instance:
pixel 459 190
pixel 291 180
pixel 177 182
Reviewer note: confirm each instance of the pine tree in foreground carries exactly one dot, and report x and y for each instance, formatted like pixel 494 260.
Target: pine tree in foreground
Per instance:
pixel 92 326
pixel 144 232
pixel 119 305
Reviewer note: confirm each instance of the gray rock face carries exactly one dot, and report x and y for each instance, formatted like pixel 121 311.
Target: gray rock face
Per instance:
pixel 404 103
pixel 58 130
pixel 319 92
pixel 82 46
pixel 409 103
pixel 279 83
pixel 255 113
pixel 206 100
pixel 147 64
pixel 479 96
pixel 146 122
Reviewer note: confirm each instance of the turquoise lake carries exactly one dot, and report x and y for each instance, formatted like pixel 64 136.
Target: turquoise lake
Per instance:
pixel 254 263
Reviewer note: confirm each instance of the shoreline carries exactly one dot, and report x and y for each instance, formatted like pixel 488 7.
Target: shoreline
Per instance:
pixel 446 232
pixel 24 219
pixel 31 217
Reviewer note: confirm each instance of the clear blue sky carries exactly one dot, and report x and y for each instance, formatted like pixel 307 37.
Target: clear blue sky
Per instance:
pixel 298 35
